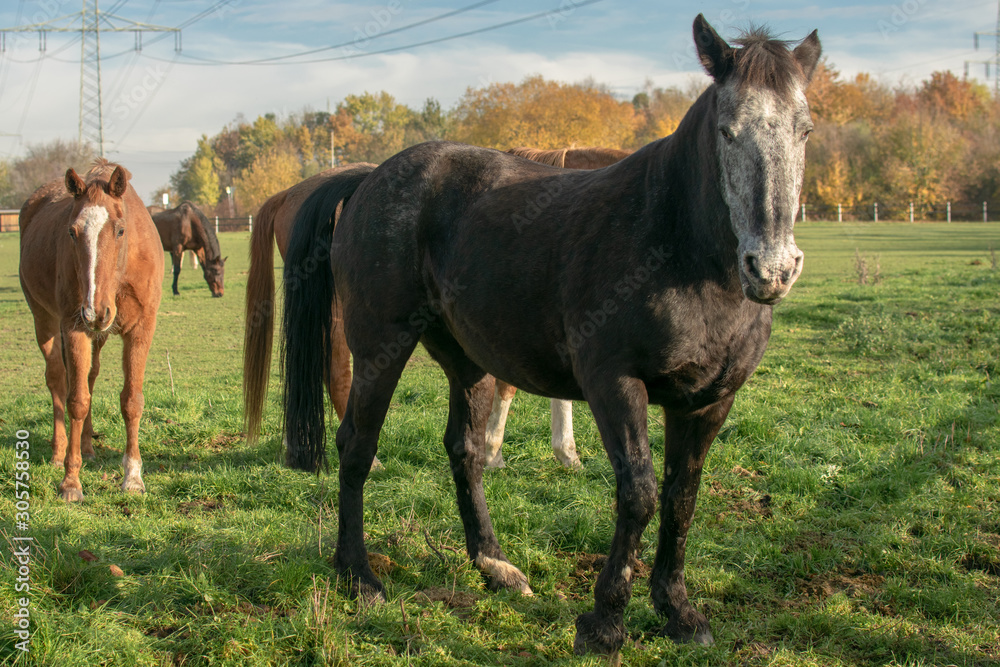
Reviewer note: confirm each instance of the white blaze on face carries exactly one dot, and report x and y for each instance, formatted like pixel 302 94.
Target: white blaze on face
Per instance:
pixel 93 219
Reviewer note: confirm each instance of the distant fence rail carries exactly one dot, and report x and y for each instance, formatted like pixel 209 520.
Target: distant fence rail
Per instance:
pixel 8 219
pixel 8 222
pixel 959 211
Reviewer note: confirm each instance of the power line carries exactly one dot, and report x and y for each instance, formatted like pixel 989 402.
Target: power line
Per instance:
pixel 408 26
pixel 351 56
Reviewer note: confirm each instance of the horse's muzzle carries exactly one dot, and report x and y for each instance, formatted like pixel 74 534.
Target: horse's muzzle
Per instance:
pixel 767 279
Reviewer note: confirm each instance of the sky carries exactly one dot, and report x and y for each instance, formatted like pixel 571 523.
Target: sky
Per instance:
pixel 158 101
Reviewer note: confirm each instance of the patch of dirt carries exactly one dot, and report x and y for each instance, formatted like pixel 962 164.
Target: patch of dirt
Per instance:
pixel 164 631
pixel 205 505
pixel 743 501
pixel 459 602
pixel 981 563
pixel 223 441
pixel 381 564
pixel 854 583
pixel 743 472
pixel 588 566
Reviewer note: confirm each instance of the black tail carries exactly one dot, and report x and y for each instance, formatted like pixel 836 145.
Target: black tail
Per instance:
pixel 309 295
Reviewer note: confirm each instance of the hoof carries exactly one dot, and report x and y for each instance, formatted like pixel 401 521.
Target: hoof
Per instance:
pixel 89 456
pixel 367 592
pixel 690 626
pixel 496 462
pixel 71 495
pixel 57 462
pixel 133 486
pixel 595 635
pixel 500 574
pixel 570 462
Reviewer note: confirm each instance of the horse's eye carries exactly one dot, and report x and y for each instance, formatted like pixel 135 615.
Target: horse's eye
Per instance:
pixel 121 232
pixel 726 134
pixel 72 233
pixel 806 133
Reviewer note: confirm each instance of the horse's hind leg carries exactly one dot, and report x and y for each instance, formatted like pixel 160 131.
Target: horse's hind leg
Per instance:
pixel 378 365
pixel 687 437
pixel 563 444
pixel 503 394
pixel 471 394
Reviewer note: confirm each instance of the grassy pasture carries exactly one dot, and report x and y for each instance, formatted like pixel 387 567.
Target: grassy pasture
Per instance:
pixel 849 513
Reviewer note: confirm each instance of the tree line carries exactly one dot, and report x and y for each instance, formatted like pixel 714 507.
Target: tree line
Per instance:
pixel 921 145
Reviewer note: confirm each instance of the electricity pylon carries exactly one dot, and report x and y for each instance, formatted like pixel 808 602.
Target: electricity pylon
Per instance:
pixel 90 22
pixel 995 60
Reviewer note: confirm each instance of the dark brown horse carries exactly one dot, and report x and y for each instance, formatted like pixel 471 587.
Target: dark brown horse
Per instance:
pixel 185 227
pixel 274 225
pixel 91 265
pixel 593 157
pixel 648 282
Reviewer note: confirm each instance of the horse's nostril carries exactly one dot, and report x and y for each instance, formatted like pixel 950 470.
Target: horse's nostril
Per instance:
pixel 750 262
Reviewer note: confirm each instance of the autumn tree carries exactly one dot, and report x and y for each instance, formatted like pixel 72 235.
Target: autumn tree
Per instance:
pixel 543 114
pixel 271 171
pixel 661 110
pixel 40 164
pixel 198 177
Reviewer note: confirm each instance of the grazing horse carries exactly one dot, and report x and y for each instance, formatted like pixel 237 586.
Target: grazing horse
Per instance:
pixel 274 225
pixel 186 228
pixel 91 266
pixel 563 443
pixel 648 282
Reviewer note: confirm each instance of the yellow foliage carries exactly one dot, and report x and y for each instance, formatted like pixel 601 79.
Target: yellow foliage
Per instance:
pixel 543 114
pixel 271 172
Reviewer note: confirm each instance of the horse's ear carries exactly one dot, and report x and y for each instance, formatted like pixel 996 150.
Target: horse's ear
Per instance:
pixel 74 184
pixel 225 258
pixel 715 54
pixel 118 183
pixel 807 54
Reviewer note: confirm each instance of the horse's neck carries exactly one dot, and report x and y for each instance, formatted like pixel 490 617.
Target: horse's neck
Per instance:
pixel 199 231
pixel 683 175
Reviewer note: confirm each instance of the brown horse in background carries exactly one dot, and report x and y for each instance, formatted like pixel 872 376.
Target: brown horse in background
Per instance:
pixel 91 265
pixel 563 443
pixel 274 225
pixel 593 157
pixel 186 228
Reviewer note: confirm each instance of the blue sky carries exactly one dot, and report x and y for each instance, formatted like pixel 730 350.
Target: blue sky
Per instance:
pixel 158 102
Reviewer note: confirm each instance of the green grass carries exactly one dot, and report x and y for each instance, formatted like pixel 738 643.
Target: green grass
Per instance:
pixel 849 513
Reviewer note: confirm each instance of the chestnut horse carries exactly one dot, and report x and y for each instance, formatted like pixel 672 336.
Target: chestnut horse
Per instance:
pixel 563 443
pixel 592 157
pixel 91 266
pixel 185 227
pixel 647 282
pixel 274 225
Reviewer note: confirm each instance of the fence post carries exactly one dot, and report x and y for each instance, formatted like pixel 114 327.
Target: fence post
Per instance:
pixel 250 223
pixel 840 214
pixel 949 211
pixel 876 211
pixel 803 213
pixel 911 211
pixel 984 213
pixel 216 225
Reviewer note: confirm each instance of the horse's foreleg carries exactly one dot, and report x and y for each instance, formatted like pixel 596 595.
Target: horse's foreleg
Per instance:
pixel 87 442
pixel 357 442
pixel 176 256
pixel 563 444
pixel 135 349
pixel 503 394
pixel 687 437
pixel 78 352
pixel 620 412
pixel 49 341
